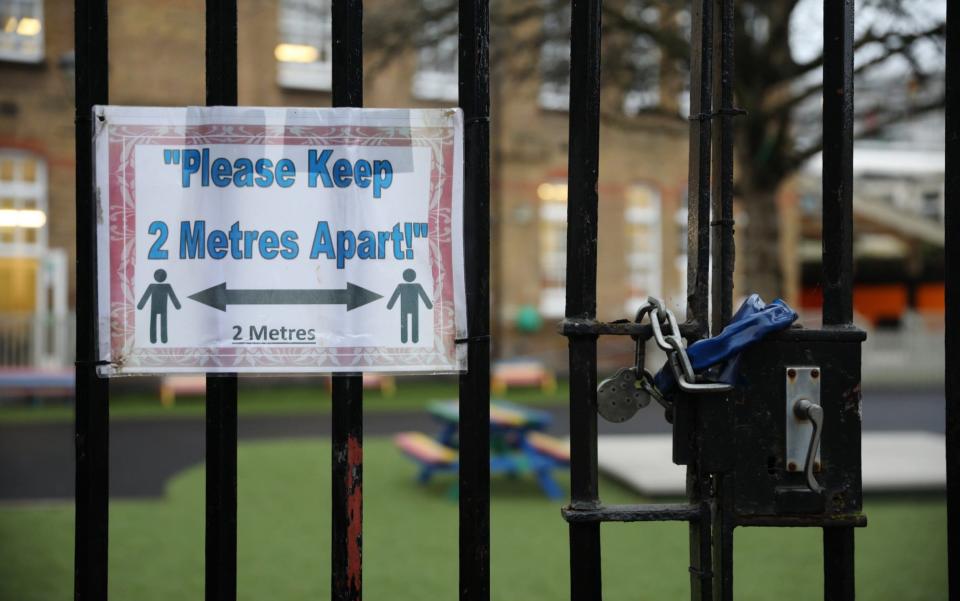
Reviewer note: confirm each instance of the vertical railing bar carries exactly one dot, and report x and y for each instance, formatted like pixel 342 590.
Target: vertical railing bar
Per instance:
pixel 581 293
pixel 722 223
pixel 723 256
pixel 346 571
pixel 722 537
pixel 698 196
pixel 474 97
pixel 92 426
pixel 221 399
pixel 698 264
pixel 838 543
pixel 838 555
pixel 952 308
pixel 838 162
pixel 346 574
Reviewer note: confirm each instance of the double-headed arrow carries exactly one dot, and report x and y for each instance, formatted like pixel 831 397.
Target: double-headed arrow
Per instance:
pixel 219 297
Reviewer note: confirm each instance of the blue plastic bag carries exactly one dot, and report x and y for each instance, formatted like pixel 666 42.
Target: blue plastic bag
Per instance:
pixel 752 321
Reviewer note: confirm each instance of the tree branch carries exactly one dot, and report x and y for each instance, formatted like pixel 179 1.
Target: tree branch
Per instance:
pixel 801 156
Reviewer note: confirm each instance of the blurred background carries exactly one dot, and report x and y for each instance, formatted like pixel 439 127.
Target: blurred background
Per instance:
pixel 156 59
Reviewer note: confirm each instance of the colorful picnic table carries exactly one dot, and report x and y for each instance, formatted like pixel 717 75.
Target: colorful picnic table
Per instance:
pixel 517 444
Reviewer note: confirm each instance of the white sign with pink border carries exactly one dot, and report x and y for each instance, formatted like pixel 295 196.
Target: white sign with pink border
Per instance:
pixel 272 240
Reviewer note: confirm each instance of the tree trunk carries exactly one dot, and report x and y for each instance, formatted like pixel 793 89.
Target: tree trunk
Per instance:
pixel 759 258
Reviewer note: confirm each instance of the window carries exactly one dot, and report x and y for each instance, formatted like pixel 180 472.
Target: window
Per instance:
pixel 303 55
pixel 644 247
pixel 932 205
pixel 437 61
pixel 23 203
pixel 21 30
pixel 553 248
pixel 555 60
pixel 679 300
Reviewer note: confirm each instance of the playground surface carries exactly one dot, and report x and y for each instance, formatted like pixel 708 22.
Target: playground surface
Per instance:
pixel 410 540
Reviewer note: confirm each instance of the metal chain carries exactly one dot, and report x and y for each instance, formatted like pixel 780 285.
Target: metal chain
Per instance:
pixel 672 345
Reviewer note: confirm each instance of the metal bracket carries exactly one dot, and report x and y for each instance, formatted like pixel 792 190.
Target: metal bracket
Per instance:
pixel 802 383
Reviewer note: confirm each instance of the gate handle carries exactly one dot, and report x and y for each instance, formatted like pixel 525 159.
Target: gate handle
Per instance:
pixel 804 409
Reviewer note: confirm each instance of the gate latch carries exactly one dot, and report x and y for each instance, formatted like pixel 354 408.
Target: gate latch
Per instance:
pixel 804 421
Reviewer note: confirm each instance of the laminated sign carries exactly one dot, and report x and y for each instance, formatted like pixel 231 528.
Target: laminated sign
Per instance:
pixel 279 240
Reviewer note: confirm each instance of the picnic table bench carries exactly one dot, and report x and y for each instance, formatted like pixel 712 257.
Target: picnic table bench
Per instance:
pixel 517 444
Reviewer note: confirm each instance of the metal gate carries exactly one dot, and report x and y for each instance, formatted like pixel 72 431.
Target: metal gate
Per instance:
pixel 716 497
pixel 732 443
pixel 93 393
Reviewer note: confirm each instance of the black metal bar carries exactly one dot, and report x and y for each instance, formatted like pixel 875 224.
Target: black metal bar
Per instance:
pixel 698 282
pixel 838 574
pixel 698 196
pixel 583 169
pixel 583 327
pixel 952 271
pixel 722 536
pixel 474 94
pixel 722 239
pixel 805 521
pixel 347 486
pixel 221 501
pixel 221 52
pixel 667 512
pixel 838 555
pixel 347 419
pixel 92 426
pixel 221 402
pixel 837 162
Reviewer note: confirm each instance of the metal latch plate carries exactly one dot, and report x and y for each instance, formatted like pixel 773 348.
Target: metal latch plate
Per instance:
pixel 802 383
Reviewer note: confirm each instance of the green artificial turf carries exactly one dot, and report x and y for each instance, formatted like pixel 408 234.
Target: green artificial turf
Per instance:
pixel 277 398
pixel 410 541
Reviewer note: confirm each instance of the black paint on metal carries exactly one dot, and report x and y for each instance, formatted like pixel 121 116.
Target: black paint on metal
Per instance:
pixel 667 512
pixel 698 191
pixel 346 582
pixel 221 484
pixel 583 170
pixel 838 556
pixel 687 427
pixel 952 328
pixel 733 444
pixel 92 426
pixel 221 401
pixel 722 224
pixel 837 162
pixel 347 466
pixel 474 476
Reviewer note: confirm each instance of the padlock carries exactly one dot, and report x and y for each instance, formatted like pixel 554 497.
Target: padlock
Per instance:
pixel 619 398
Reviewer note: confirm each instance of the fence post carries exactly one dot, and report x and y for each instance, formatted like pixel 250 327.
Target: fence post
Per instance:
pixel 92 426
pixel 838 542
pixel 581 301
pixel 221 406
pixel 347 419
pixel 952 309
pixel 474 96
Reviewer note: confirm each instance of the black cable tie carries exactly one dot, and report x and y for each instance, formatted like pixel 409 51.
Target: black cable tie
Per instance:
pixel 729 112
pixel 701 574
pixel 83 363
pixel 472 120
pixel 472 339
pixel 723 222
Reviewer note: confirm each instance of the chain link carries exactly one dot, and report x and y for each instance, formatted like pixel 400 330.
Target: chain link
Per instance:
pixel 672 345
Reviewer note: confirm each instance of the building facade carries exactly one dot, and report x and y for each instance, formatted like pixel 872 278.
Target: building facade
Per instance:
pixel 157 59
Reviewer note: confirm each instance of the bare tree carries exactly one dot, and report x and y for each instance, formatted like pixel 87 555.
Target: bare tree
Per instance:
pixel 778 51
